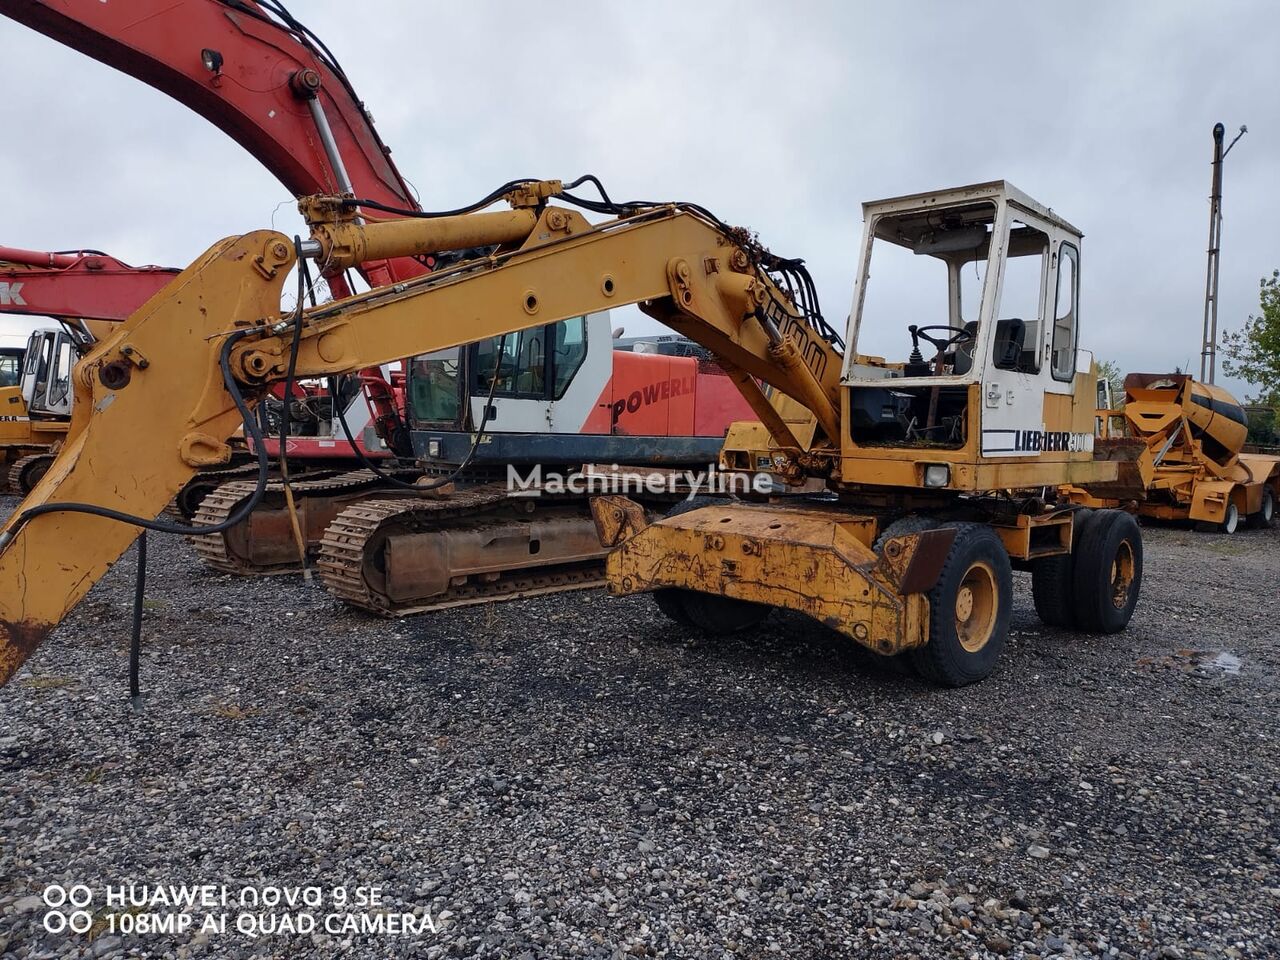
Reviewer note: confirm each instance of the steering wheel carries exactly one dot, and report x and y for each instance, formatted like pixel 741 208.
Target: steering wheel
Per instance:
pixel 939 343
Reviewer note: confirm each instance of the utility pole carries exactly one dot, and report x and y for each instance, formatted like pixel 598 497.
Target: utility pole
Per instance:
pixel 1209 341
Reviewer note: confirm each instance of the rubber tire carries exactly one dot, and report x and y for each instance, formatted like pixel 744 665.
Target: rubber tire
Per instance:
pixel 704 611
pixel 943 660
pixel 1052 581
pixel 670 601
pixel 1265 518
pixel 911 523
pixel 1231 520
pixel 1100 541
pixel 33 473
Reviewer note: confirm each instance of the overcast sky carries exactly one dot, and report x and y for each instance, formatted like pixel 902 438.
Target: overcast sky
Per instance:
pixel 781 117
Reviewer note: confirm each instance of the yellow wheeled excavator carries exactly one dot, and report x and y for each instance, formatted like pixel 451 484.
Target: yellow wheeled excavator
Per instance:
pixel 919 484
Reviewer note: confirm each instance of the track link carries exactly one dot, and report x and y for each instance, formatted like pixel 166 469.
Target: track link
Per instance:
pixel 22 466
pixel 353 541
pixel 223 551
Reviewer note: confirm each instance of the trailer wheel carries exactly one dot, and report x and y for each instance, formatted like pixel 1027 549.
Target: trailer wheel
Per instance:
pixel 1108 572
pixel 969 610
pixel 1052 581
pixel 704 611
pixel 1265 518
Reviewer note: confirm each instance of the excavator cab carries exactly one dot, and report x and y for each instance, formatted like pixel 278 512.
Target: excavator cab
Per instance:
pixel 545 379
pixel 975 290
pixel 46 377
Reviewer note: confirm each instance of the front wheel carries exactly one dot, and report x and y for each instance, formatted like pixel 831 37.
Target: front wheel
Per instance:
pixel 709 613
pixel 1230 522
pixel 969 609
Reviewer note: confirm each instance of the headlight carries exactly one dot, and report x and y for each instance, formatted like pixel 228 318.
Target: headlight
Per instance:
pixel 937 475
pixel 433 448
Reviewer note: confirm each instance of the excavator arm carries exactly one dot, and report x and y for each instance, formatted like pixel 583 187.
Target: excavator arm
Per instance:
pixel 156 401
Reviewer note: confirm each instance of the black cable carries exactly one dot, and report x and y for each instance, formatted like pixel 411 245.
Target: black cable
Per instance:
pixel 135 642
pixel 303 278
pixel 251 428
pixel 493 197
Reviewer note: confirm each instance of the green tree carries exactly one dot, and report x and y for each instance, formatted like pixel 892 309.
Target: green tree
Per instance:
pixel 1263 429
pixel 1253 352
pixel 1110 371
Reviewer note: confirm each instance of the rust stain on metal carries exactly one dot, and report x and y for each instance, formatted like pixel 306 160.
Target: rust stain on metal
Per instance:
pixel 617 519
pixel 925 563
pixel 18 640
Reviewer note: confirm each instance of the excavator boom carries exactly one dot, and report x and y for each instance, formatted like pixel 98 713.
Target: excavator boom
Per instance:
pixel 264 81
pixel 82 284
pixel 215 332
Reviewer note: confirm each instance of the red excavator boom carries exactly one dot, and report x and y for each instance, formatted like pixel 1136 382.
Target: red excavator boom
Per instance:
pixel 253 71
pixel 80 284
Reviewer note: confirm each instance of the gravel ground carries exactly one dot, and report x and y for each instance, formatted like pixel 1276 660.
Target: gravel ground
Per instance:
pixel 574 776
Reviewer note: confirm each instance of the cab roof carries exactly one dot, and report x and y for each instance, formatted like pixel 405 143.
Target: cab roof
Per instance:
pixel 993 190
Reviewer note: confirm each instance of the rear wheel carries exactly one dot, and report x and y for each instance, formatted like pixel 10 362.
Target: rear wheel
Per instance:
pixel 969 609
pixel 1052 586
pixel 1108 572
pixel 1265 518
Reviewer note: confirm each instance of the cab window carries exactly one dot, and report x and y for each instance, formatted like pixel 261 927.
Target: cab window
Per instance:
pixel 518 362
pixel 1018 341
pixel 570 352
pixel 537 364
pixel 1064 314
pixel 10 368
pixel 433 387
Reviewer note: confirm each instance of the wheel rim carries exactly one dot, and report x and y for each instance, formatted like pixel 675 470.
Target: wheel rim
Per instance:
pixel 976 607
pixel 1268 506
pixel 1123 568
pixel 1232 519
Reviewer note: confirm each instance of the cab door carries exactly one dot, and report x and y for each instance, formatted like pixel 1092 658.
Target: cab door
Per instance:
pixel 1014 374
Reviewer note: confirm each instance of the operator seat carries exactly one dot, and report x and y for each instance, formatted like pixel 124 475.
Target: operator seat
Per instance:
pixel 1010 336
